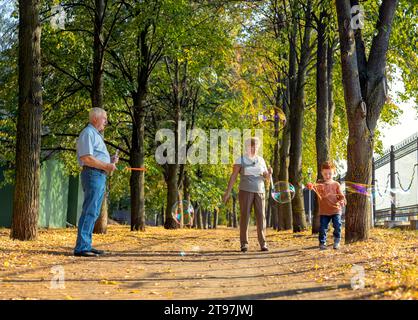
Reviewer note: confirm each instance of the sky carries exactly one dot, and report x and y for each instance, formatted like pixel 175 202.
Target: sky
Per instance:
pixel 407 123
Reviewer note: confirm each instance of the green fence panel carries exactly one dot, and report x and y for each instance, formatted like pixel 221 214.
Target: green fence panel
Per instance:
pixel 53 195
pixel 75 200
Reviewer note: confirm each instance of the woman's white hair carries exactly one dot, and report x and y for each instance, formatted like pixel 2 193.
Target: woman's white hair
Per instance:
pixel 252 141
pixel 95 112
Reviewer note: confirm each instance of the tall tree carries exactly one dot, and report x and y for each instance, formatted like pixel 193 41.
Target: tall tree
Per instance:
pixel 324 100
pixel 97 91
pixel 134 67
pixel 28 138
pixel 365 93
pixel 297 103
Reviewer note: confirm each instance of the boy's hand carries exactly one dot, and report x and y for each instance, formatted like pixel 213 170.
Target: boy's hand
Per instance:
pixel 309 185
pixel 341 200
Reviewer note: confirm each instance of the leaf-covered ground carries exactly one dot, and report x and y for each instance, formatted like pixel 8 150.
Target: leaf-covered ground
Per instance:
pixel 202 264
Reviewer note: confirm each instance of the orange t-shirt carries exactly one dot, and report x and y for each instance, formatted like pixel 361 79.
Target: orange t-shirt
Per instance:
pixel 330 194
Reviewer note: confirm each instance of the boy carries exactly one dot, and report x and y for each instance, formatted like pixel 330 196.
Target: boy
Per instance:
pixel 331 199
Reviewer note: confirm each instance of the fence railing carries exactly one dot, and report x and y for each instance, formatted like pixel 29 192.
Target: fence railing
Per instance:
pixel 394 187
pixel 395 182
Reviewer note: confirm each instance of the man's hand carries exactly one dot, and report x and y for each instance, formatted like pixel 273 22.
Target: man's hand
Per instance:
pixel 114 159
pixel 110 167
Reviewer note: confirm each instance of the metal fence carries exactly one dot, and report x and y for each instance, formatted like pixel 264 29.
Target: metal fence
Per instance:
pixel 395 181
pixel 394 189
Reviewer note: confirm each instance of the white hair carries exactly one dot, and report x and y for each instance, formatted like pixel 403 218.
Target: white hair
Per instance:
pixel 253 140
pixel 95 112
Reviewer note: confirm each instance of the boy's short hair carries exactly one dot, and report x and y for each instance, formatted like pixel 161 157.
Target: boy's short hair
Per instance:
pixel 328 165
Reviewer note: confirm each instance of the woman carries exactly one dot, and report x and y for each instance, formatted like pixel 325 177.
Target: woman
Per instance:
pixel 253 171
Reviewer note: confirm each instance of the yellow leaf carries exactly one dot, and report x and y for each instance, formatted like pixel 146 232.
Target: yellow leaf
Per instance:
pixel 108 282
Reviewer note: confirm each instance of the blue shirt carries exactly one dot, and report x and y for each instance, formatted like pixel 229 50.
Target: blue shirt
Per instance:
pixel 91 142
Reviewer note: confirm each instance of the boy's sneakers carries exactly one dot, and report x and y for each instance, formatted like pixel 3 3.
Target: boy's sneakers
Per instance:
pixel 244 248
pixel 322 246
pixel 336 245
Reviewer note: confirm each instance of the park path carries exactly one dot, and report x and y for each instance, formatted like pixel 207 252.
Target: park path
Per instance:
pixel 177 264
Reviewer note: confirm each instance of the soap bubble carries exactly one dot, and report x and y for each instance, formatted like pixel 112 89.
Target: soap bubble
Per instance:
pixel 283 192
pixel 208 77
pixel 183 210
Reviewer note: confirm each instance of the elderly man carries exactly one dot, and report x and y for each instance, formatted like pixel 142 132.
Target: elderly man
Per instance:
pixel 93 156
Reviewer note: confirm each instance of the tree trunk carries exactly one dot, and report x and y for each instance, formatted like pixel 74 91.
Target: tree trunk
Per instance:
pixel 205 218
pixel 199 217
pixel 276 162
pixel 209 219
pixel 98 55
pixel 284 210
pixel 137 179
pixel 172 195
pixel 268 210
pixel 322 108
pixel 100 226
pixel 330 76
pixel 364 84
pixel 186 187
pixel 29 119
pixel 296 127
pixel 186 192
pixel 215 218
pixel 322 122
pixel 295 166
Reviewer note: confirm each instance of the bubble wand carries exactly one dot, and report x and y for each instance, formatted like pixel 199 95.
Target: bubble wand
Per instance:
pixel 312 186
pixel 273 189
pixel 130 168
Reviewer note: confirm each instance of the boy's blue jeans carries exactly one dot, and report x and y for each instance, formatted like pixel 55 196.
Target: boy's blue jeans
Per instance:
pixel 94 186
pixel 323 228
